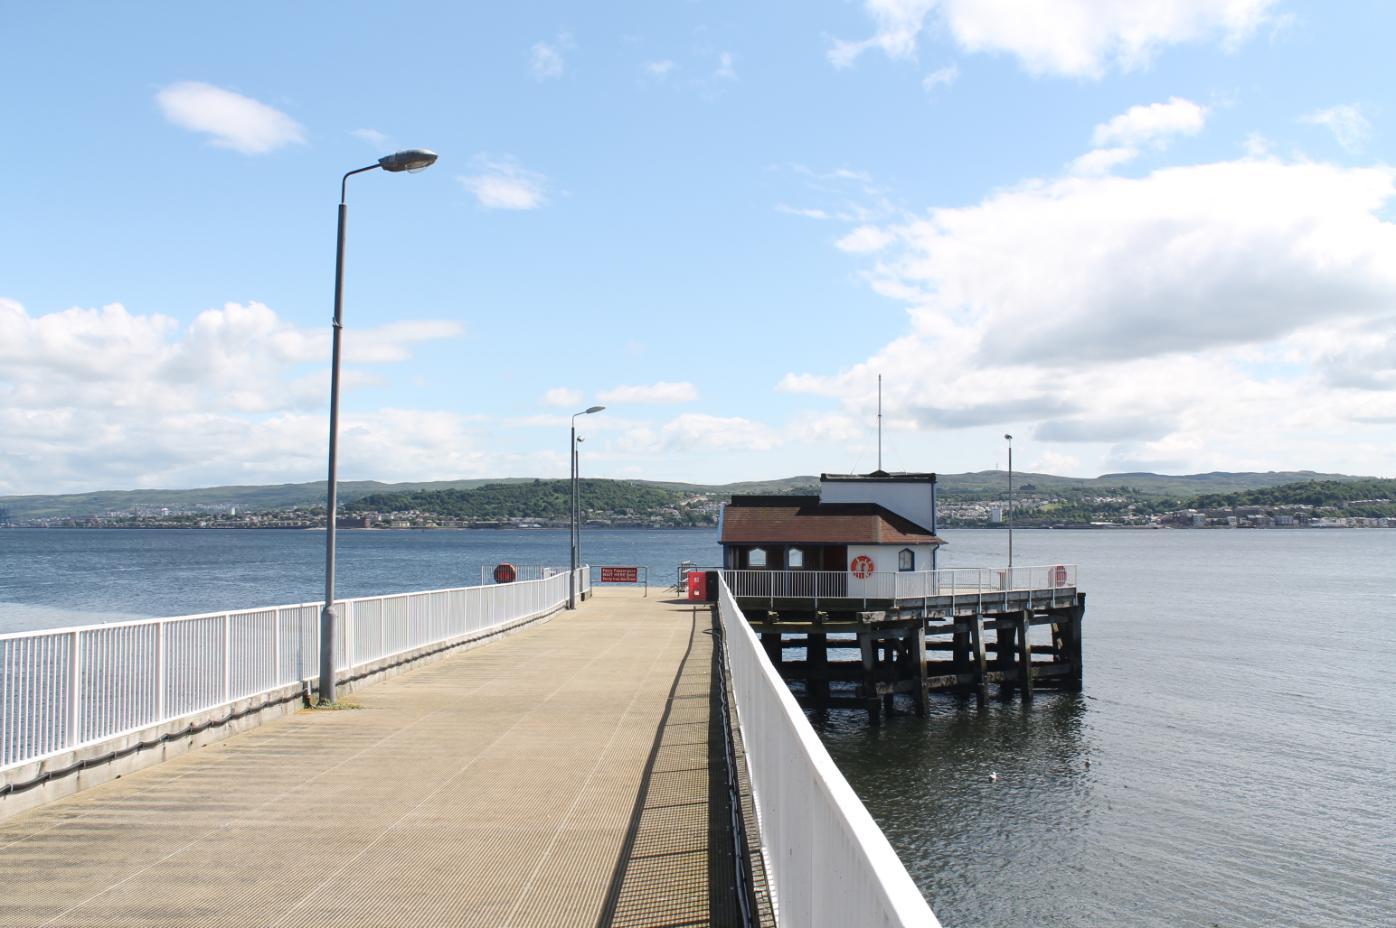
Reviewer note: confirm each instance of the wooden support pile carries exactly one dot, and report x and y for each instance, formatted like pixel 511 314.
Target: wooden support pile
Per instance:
pixel 865 659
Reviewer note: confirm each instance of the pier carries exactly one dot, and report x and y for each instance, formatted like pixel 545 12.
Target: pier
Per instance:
pixel 500 761
pixel 914 633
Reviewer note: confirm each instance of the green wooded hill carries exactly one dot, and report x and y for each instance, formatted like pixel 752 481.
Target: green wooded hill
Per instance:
pixel 1372 498
pixel 980 484
pixel 245 498
pixel 536 499
pixel 993 483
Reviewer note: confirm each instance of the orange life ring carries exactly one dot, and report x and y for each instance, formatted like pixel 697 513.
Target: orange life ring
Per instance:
pixel 505 573
pixel 862 566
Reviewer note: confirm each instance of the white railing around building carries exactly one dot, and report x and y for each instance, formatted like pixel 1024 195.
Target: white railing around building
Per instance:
pixel 889 585
pixel 827 862
pixel 63 689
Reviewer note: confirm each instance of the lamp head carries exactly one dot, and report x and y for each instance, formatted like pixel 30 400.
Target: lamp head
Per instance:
pixel 1009 437
pixel 413 159
pixel 594 409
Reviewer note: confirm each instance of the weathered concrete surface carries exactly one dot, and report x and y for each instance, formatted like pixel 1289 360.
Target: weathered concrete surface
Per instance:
pixel 76 770
pixel 562 776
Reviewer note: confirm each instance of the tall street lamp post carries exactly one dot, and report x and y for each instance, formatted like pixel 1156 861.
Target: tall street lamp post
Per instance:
pixel 415 159
pixel 1009 439
pixel 576 527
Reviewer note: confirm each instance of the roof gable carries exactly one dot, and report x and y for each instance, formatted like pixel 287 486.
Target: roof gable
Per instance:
pixel 806 520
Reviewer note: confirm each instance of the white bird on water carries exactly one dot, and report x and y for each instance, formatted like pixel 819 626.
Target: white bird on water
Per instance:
pixel 994 777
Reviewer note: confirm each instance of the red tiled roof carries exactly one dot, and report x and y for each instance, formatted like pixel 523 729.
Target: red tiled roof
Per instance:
pixel 805 520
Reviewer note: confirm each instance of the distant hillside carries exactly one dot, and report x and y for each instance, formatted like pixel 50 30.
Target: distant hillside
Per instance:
pixel 536 499
pixel 291 495
pixel 983 484
pixel 1371 498
pixel 277 496
pixel 994 482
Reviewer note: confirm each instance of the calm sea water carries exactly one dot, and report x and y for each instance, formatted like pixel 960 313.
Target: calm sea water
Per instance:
pixel 1232 761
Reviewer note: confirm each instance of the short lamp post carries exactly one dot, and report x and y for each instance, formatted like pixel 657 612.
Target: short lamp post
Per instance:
pixel 1009 439
pixel 576 522
pixel 415 159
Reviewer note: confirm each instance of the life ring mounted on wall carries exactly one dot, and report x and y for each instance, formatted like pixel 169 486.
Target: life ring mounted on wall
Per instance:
pixel 862 567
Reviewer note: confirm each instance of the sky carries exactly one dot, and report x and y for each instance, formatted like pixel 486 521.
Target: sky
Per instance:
pixel 1136 236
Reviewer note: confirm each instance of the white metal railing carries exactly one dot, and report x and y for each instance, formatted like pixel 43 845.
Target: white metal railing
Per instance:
pixel 886 585
pixel 827 862
pixel 62 689
pixel 522 572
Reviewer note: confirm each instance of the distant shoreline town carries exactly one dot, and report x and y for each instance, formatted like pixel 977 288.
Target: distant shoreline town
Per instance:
pixel 965 501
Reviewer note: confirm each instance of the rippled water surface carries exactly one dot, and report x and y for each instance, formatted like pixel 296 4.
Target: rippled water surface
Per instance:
pixel 1232 761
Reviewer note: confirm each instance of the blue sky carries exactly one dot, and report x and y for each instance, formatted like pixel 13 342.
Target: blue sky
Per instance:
pixel 1137 236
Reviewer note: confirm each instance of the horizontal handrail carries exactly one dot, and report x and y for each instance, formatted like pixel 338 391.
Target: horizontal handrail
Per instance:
pixel 950 581
pixel 66 688
pixel 827 862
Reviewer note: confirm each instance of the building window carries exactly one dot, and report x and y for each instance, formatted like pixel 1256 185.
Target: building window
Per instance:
pixel 796 559
pixel 756 557
pixel 906 559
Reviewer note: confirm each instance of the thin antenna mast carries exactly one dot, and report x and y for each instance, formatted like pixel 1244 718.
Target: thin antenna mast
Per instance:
pixel 879 422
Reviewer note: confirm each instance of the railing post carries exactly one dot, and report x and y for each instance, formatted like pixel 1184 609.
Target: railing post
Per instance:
pixel 160 672
pixel 276 649
pixel 227 655
pixel 75 693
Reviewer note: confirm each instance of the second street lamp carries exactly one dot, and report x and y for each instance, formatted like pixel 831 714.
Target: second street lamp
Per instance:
pixel 413 160
pixel 576 527
pixel 1009 439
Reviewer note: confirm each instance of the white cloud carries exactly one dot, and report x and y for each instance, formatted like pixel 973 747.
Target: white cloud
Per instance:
pixel 940 77
pixel 703 433
pixel 1230 315
pixel 1052 462
pixel 1347 123
pixel 1118 140
pixel 562 396
pixel 899 24
pixel 1081 38
pixel 1155 123
pixel 372 136
pixel 105 397
pixel 659 69
pixel 501 183
pixel 663 392
pixel 232 120
pixel 803 212
pixel 726 70
pixel 1102 160
pixel 865 239
pixel 545 59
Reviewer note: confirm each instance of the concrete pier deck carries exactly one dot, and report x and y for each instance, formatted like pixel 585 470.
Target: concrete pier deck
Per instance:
pixel 571 774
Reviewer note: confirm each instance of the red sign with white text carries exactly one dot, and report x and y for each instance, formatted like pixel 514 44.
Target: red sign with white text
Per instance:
pixel 620 575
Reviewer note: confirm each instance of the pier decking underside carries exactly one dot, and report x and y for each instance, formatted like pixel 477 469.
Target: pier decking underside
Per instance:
pixel 570 775
pixel 960 642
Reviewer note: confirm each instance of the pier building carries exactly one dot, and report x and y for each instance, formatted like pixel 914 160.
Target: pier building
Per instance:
pixel 848 579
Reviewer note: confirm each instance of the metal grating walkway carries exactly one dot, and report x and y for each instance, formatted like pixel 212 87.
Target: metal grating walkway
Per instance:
pixel 568 775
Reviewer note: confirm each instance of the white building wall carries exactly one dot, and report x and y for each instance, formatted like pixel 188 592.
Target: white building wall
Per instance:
pixel 908 500
pixel 884 558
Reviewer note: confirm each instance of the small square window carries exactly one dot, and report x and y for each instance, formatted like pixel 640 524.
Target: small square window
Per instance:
pixel 797 559
pixel 906 559
pixel 756 557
